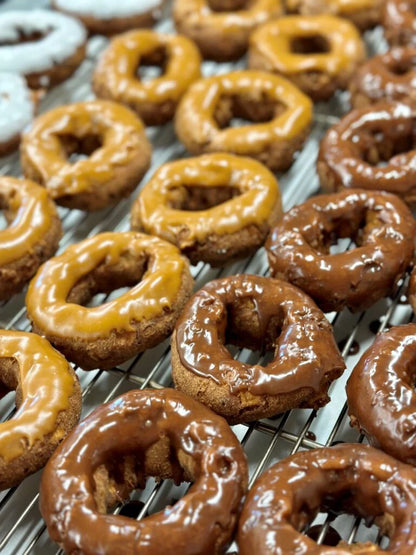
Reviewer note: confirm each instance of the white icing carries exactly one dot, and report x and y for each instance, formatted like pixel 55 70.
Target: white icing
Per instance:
pixel 63 35
pixel 107 9
pixel 16 106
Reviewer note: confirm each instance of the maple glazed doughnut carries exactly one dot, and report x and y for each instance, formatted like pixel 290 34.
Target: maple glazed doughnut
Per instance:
pixel 221 29
pixel 399 22
pixel 319 54
pixel 353 151
pixel 139 434
pixel 106 335
pixel 258 313
pixel 48 401
pixel 280 112
pixel 112 137
pixel 154 100
pixel 348 478
pixel 43 46
pixel 214 208
pixel 381 226
pixel 32 235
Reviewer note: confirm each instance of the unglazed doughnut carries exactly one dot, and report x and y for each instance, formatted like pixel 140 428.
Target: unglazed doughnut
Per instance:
pixel 106 335
pixel 214 208
pixel 319 54
pixel 399 22
pixel 280 112
pixel 32 235
pixel 16 110
pixel 118 153
pixel 221 29
pixel 48 399
pixel 258 313
pixel 108 17
pixel 351 478
pixel 389 76
pixel 43 46
pixel 351 152
pixel 381 226
pixel 155 100
pixel 145 433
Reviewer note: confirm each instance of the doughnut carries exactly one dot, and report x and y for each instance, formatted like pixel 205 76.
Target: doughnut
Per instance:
pixel 221 28
pixel 319 54
pixel 16 110
pixel 111 138
pixel 215 208
pixel 154 100
pixel 363 13
pixel 389 76
pixel 108 334
pixel 258 313
pixel 48 399
pixel 139 434
pixel 108 17
pixel 380 225
pixel 353 152
pixel 280 112
pixel 43 46
pixel 399 22
pixel 32 236
pixel 348 478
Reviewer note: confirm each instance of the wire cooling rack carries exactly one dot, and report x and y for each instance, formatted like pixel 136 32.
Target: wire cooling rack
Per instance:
pixel 22 530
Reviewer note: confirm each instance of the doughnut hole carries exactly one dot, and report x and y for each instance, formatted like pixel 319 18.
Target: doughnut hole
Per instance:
pixel 230 5
pixel 197 197
pixel 313 44
pixel 24 36
pixel 240 110
pixel 152 65
pixel 9 380
pixel 80 147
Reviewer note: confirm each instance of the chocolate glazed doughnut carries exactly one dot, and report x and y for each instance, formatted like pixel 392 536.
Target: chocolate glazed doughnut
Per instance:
pixel 261 314
pixel 145 433
pixel 381 226
pixel 350 478
pixel 399 22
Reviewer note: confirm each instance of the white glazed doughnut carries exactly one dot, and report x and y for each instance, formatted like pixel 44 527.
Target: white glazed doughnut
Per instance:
pixel 16 110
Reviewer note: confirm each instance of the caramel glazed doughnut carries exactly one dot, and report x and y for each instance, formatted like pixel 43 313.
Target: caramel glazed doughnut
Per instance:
pixel 106 335
pixel 261 314
pixel 112 137
pixel 145 433
pixel 32 236
pixel 215 208
pixel 399 22
pixel 43 46
pixel 352 478
pixel 48 400
pixel 380 225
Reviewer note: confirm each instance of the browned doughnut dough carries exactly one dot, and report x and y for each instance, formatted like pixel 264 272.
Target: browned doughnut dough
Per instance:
pixel 258 313
pixel 399 22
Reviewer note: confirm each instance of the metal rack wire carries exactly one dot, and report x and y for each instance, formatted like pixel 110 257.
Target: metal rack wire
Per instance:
pixel 21 527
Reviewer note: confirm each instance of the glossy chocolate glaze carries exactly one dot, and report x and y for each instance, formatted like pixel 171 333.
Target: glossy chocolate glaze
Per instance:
pixel 357 479
pixel 202 448
pixel 399 21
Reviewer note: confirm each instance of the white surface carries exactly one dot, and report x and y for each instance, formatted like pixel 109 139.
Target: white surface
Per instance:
pixel 106 9
pixel 16 106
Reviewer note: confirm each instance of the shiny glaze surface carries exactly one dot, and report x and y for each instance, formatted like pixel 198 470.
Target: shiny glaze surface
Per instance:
pixel 288 496
pixel 338 7
pixel 305 350
pixel 399 20
pixel 258 194
pixel 45 384
pixel 46 299
pixel 382 227
pixel 130 425
pixel 30 212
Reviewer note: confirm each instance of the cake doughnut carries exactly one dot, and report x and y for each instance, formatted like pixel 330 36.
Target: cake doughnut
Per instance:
pixel 139 434
pixel 319 54
pixel 348 478
pixel 43 46
pixel 280 112
pixel 381 226
pixel 215 208
pixel 351 152
pixel 258 313
pixel 221 29
pixel 106 335
pixel 108 17
pixel 32 236
pixel 389 76
pixel 113 140
pixel 154 100
pixel 16 110
pixel 399 22
pixel 48 399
